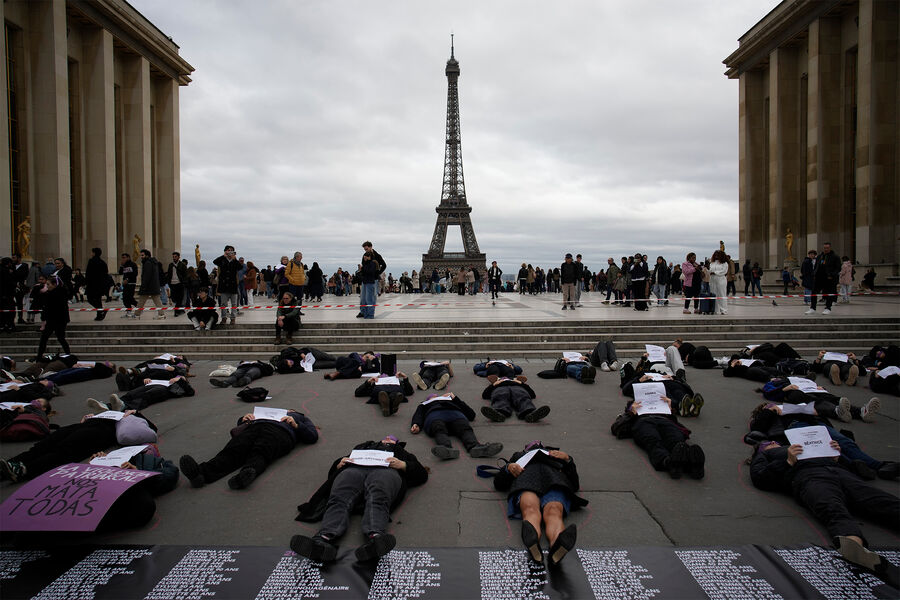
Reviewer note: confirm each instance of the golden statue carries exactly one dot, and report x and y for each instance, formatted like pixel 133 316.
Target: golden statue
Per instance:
pixel 789 243
pixel 24 239
pixel 197 255
pixel 136 244
pixel 721 245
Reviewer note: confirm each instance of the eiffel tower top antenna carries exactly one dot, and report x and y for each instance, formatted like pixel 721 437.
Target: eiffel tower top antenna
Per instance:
pixel 451 45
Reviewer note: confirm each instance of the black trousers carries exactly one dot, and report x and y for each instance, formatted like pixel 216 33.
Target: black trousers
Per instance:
pixel 442 430
pixel 827 289
pixel 885 385
pixel 509 399
pixel 657 436
pixel 639 293
pixel 251 371
pixel 60 330
pixel 431 374
pixel 95 299
pixel 501 370
pixel 176 294
pixel 495 288
pixel 832 493
pixel 142 397
pixel 257 446
pixel 289 327
pixel 72 443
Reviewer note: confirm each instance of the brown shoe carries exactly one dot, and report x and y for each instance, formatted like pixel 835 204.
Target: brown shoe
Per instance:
pixel 853 375
pixel 835 374
pixel 384 401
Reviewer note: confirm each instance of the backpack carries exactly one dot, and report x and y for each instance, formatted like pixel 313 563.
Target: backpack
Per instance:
pixel 249 394
pixel 792 366
pixel 702 358
pixel 26 427
pixel 388 364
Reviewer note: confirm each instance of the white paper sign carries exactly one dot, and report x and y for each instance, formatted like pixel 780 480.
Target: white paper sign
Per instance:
pixel 747 361
pixel 888 371
pixel 655 353
pixel 526 458
pixel 159 367
pixel 502 362
pixel 11 405
pixel 369 375
pixel 431 363
pixel 649 396
pixel 113 415
pixel 572 355
pixel 117 457
pixel 166 356
pixel 370 458
pixel 10 385
pixel 84 364
pixel 438 398
pixel 797 409
pixel 308 361
pixel 164 382
pixel 805 385
pixel 752 347
pixel 835 356
pixel 269 414
pixel 815 441
pixel 654 376
pixel 388 381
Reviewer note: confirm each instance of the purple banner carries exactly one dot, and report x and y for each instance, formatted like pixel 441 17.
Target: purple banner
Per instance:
pixel 73 497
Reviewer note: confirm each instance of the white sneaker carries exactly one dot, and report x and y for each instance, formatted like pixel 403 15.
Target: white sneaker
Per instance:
pixel 842 410
pixel 96 406
pixel 115 403
pixel 614 365
pixel 809 311
pixel 827 311
pixel 867 412
pixel 604 367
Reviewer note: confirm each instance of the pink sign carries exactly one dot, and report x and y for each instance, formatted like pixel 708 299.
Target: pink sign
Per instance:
pixel 73 497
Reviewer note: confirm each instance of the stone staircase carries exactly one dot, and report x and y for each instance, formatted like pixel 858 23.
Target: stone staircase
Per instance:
pixel 525 339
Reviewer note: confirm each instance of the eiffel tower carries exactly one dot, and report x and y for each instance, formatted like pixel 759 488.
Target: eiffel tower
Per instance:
pixel 453 209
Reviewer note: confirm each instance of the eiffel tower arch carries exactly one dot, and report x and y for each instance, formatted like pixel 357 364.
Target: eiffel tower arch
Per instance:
pixel 454 209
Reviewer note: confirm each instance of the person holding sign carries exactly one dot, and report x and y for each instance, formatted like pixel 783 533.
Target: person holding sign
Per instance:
pixel 256 442
pixel 510 396
pixel 542 484
pixel 886 381
pixel 800 390
pixel 839 367
pixel 657 431
pixel 302 360
pixel 354 365
pixel 578 367
pixel 685 402
pixel 82 371
pixel 386 391
pixel 16 391
pixel 749 368
pixel 433 372
pixel 69 444
pixel 832 493
pixel 443 416
pixel 377 485
pixel 247 371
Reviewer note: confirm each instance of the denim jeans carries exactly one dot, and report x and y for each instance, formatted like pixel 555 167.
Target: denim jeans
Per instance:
pixel 367 296
pixel 573 369
pixel 224 299
pixel 659 290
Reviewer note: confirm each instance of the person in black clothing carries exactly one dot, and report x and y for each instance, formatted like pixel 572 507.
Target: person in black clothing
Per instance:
pixel 26 392
pixel 685 402
pixel 368 278
pixel 204 315
pixel 568 276
pixel 508 396
pixel 433 372
pixel 55 315
pixel 129 271
pixel 664 440
pixel 847 371
pixel 443 416
pixel 545 489
pixel 64 273
pixel 227 283
pixel 833 494
pixel 826 269
pixel 176 277
pixel 254 445
pixel 354 365
pixel 522 276
pixel 639 273
pixel 20 277
pixel 69 444
pixel 8 286
pixel 289 360
pixel 493 275
pixel 152 392
pixel 247 371
pixel 749 368
pixel 96 285
pixel 387 395
pixel 378 489
pixel 660 281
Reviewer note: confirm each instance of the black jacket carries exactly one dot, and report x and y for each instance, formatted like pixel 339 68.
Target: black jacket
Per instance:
pixel 96 274
pixel 568 272
pixel 541 474
pixel 456 404
pixel 228 272
pixel 827 267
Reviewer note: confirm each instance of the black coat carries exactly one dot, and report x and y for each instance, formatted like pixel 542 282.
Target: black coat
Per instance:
pixel 540 475
pixel 96 275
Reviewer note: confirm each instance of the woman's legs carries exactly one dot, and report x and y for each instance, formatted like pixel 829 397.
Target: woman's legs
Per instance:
pixel 530 505
pixel 553 520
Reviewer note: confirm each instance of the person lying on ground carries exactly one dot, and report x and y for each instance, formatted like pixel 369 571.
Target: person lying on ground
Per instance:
pixel 131 378
pixel 685 402
pixel 442 416
pixel 48 363
pixel 603 356
pixel 833 494
pixel 886 381
pixel 354 365
pixel 433 372
pixel 83 370
pixel 14 391
pixel 769 421
pixel 770 354
pixel 152 392
pixel 377 490
pixel 512 396
pixel 497 368
pixel 543 491
pixel 783 389
pixel 290 360
pixel 26 422
pixel 74 443
pixel 255 444
pixel 166 358
pixel 838 367
pixel 247 371
pixel 751 369
pixel 671 366
pixel 579 369
pixel 387 391
pixel 657 431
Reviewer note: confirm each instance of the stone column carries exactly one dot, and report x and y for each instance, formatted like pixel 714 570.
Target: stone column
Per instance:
pixel 877 206
pixel 751 141
pixel 135 92
pixel 823 178
pixel 168 180
pixel 6 224
pixel 785 154
pixel 99 147
pixel 49 124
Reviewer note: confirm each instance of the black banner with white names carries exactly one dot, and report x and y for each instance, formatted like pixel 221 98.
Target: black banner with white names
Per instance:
pixel 264 573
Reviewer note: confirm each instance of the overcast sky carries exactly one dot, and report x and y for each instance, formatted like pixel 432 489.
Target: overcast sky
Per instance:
pixel 600 127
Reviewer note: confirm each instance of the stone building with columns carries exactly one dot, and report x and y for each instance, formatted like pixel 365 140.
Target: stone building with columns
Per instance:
pixel 90 156
pixel 819 131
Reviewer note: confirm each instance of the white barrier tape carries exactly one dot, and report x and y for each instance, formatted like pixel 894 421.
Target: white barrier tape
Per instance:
pixel 452 304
